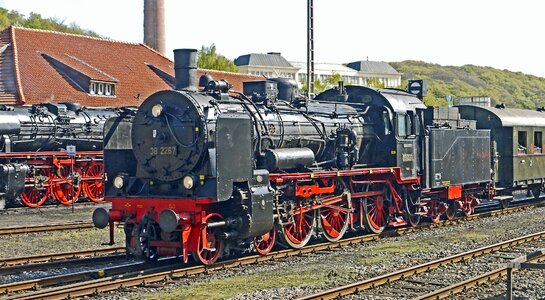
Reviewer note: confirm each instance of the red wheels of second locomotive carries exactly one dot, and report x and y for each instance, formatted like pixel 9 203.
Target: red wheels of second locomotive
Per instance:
pixel 92 182
pixel 38 190
pixel 66 186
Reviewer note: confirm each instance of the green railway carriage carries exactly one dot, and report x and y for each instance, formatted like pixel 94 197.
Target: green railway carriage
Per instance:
pixel 518 154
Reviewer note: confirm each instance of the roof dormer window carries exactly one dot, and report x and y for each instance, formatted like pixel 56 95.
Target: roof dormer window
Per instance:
pixel 82 75
pixel 92 88
pixel 97 88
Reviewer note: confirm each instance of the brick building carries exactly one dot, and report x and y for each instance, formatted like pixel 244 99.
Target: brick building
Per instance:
pixel 38 66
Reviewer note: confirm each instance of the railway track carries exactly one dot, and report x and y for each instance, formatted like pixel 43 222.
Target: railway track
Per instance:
pixel 88 285
pixel 86 225
pixel 407 285
pixel 472 282
pixel 45 228
pixel 41 262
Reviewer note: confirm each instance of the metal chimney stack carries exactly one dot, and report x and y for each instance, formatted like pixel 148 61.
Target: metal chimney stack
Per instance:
pixel 154 25
pixel 185 69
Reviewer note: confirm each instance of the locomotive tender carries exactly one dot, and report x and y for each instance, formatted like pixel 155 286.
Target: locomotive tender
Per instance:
pixel 209 172
pixel 34 164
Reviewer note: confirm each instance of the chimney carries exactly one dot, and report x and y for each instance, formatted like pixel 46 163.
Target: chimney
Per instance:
pixel 154 24
pixel 185 69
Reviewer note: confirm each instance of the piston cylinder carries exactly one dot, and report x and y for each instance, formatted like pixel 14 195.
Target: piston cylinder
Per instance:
pixel 288 158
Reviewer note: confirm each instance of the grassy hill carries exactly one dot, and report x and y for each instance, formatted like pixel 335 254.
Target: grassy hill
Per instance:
pixel 514 89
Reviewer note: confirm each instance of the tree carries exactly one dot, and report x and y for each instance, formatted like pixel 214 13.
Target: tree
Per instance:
pixel 36 21
pixel 211 60
pixel 319 86
pixel 374 82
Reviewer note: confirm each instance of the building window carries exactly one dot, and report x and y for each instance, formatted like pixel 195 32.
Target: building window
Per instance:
pixel 538 142
pixel 97 88
pixel 109 88
pixel 93 88
pixel 522 143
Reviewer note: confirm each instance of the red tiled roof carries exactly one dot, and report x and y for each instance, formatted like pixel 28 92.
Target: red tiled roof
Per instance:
pixel 127 63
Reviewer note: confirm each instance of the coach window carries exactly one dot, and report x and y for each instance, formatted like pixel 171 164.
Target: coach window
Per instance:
pixel 523 142
pixel 538 142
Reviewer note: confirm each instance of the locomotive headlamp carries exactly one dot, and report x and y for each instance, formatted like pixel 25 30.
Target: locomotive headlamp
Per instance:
pixel 189 182
pixel 119 181
pixel 156 110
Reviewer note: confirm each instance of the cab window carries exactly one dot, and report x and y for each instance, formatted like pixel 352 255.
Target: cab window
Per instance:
pixel 386 121
pixel 405 125
pixel 401 125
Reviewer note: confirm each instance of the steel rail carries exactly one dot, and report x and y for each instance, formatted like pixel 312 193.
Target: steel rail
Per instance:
pixel 6 262
pixel 470 283
pixel 404 273
pixel 48 265
pixel 44 228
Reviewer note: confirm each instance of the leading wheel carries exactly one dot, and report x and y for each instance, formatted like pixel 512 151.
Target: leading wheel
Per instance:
pixel 376 209
pixel 66 187
pixel 35 195
pixel 93 188
pixel 265 243
pixel 298 231
pixel 334 219
pixel 210 246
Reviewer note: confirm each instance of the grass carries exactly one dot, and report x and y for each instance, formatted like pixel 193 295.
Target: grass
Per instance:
pixel 469 236
pixel 372 260
pixel 401 246
pixel 56 242
pixel 244 284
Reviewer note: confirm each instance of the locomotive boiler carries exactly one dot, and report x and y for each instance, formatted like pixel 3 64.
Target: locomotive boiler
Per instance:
pixel 34 164
pixel 208 171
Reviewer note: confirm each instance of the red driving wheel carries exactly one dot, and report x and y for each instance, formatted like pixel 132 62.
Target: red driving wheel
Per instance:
pixel 93 188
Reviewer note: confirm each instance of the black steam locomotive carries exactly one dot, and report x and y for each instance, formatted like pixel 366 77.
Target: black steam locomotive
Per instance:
pixel 34 163
pixel 210 172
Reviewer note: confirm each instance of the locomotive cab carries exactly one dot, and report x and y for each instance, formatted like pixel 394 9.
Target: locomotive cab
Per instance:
pixel 394 118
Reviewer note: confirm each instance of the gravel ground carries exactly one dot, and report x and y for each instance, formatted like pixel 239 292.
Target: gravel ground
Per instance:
pixel 298 276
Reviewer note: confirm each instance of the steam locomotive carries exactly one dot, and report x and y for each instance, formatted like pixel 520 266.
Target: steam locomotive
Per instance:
pixel 34 163
pixel 210 172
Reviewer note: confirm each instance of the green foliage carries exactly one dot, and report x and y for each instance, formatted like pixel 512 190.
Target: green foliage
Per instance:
pixel 514 89
pixel 211 60
pixel 374 82
pixel 36 21
pixel 320 86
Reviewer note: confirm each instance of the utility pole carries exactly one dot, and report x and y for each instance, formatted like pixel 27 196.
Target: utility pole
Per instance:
pixel 310 48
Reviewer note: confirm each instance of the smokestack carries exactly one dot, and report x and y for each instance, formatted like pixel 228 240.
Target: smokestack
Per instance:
pixel 185 69
pixel 154 24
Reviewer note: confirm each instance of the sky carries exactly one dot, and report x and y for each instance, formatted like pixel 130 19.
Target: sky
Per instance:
pixel 501 34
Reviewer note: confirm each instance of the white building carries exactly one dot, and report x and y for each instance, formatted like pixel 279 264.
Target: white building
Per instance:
pixel 273 64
